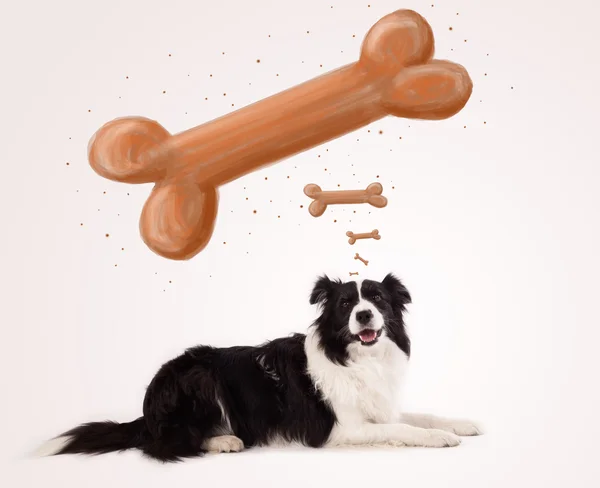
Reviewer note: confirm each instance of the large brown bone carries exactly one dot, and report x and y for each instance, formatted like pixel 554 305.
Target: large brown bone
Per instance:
pixel 395 75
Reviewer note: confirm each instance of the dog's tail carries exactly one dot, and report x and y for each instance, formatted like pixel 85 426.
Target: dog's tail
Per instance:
pixel 98 438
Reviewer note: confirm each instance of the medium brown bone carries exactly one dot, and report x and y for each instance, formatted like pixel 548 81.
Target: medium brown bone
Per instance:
pixel 374 234
pixel 371 195
pixel 353 274
pixel 395 75
pixel 357 256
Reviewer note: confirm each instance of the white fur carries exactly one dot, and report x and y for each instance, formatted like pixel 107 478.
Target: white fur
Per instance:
pixel 52 446
pixel 223 443
pixel 226 427
pixel 364 395
pixel 460 427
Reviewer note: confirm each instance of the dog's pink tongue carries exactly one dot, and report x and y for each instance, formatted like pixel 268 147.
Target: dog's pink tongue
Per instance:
pixel 367 335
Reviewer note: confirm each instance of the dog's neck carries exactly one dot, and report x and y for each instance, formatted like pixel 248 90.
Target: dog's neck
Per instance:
pixel 367 387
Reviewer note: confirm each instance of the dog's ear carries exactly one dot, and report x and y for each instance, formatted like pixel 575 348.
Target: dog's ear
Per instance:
pixel 321 291
pixel 398 292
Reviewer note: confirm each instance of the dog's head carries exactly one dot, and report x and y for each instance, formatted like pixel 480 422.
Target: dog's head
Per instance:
pixel 360 312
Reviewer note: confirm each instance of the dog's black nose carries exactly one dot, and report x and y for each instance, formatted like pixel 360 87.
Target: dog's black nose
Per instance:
pixel 364 317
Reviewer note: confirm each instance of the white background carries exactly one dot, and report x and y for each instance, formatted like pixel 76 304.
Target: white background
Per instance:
pixel 492 224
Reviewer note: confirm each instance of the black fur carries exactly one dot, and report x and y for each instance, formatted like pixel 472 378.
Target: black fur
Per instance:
pixel 265 390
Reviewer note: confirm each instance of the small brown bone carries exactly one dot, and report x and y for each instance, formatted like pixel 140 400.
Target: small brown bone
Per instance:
pixel 371 195
pixel 354 274
pixel 357 256
pixel 374 234
pixel 394 75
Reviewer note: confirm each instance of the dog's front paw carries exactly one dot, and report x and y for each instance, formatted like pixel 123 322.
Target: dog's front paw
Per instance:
pixel 440 438
pixel 462 427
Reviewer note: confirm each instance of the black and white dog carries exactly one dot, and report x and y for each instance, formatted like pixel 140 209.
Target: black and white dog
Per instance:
pixel 337 385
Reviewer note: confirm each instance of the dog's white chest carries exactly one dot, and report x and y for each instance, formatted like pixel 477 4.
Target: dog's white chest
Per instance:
pixel 367 388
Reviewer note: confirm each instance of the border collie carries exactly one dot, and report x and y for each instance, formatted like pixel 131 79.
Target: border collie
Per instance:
pixel 337 385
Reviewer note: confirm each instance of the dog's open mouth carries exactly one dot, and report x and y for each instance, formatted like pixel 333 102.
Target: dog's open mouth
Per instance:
pixel 369 337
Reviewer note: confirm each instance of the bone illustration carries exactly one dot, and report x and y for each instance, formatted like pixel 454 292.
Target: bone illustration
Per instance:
pixel 372 195
pixel 395 75
pixel 352 237
pixel 354 274
pixel 364 261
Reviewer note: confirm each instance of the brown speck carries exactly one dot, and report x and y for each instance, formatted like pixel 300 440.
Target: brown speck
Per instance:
pixel 484 74
pixel 301 206
pixel 122 249
pixel 393 187
pixel 465 40
pixel 320 66
pixel 169 55
pixel 104 193
pixel 205 98
pixel 254 211
pixel 353 35
pixel 449 28
pixel 308 32
pixel 258 60
pixel 210 76
pixel 484 122
pixel 465 127
pixel 224 242
pixel 288 177
pixel 127 77
pixel 381 132
pixel 107 235
pixel 279 216
pixel 335 221
pixel 246 198
pixel 224 94
pixel 81 224
pixel 377 176
pixel 68 164
pixel 89 110
pixel 170 281
pixel 115 265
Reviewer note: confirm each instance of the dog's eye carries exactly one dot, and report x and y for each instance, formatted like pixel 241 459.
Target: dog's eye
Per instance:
pixel 344 303
pixel 377 298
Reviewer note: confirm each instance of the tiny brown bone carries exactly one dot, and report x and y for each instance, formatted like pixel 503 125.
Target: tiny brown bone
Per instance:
pixel 354 274
pixel 371 195
pixel 352 237
pixel 357 256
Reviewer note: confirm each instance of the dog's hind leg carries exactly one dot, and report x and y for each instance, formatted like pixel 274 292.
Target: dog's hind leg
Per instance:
pixel 223 443
pixel 182 410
